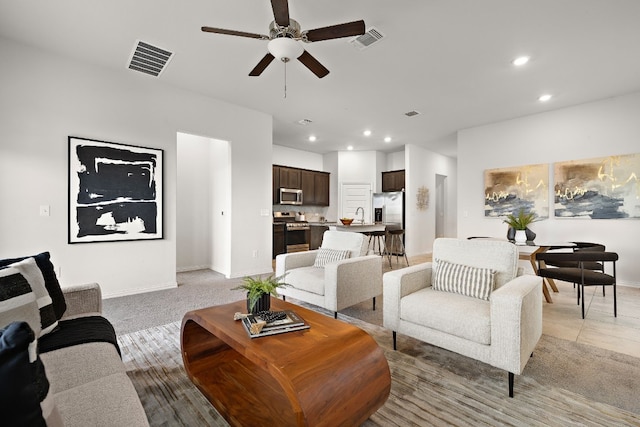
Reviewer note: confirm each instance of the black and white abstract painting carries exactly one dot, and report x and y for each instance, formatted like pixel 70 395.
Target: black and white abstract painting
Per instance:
pixel 115 192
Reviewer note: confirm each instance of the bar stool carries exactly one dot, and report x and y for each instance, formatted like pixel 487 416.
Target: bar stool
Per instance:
pixel 393 241
pixel 376 236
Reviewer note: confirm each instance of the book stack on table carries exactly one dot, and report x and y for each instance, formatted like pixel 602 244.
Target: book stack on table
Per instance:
pixel 272 323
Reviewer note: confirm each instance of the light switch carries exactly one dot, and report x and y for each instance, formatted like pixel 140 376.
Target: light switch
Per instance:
pixel 44 210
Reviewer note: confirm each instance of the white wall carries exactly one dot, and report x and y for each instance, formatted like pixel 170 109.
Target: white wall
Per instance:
pixel 220 207
pixel 597 129
pixel 395 161
pixel 193 208
pixel 45 98
pixel 286 156
pixel 421 168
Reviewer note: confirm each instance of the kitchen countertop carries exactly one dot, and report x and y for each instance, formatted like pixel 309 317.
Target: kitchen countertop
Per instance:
pixel 357 227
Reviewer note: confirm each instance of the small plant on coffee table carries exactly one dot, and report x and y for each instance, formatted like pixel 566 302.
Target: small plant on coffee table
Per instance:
pixel 260 289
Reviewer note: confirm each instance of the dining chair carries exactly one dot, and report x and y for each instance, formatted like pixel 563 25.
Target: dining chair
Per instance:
pixel 578 271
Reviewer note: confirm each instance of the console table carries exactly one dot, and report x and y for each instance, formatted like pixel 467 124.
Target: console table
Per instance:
pixel 331 374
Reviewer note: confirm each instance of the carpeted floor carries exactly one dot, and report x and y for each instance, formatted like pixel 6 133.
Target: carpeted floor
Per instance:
pixel 567 380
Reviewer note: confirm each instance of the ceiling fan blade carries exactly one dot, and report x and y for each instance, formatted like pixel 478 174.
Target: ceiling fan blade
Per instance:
pixel 312 64
pixel 281 12
pixel 264 62
pixel 355 28
pixel 234 33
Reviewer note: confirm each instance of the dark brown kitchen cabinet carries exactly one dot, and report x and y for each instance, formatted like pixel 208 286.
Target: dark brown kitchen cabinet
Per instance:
pixel 290 178
pixel 321 181
pixel 314 184
pixel 276 184
pixel 279 243
pixel 393 181
pixel 315 188
pixel 317 231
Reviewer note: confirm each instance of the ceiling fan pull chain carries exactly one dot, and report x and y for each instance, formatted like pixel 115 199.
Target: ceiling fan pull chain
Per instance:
pixel 285 60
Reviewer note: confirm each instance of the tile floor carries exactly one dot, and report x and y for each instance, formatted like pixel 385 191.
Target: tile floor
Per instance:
pixel 563 319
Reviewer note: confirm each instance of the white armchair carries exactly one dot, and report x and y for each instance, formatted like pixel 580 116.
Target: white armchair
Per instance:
pixel 338 284
pixel 501 330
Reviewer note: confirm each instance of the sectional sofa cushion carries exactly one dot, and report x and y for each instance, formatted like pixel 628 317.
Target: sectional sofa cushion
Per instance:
pixel 25 398
pixel 29 269
pixel 17 300
pixel 326 256
pixel 43 260
pixel 463 279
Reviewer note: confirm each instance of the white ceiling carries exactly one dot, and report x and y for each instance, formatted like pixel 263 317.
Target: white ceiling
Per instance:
pixel 448 59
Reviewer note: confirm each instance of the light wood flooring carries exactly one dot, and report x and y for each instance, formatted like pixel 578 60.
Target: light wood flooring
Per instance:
pixel 562 318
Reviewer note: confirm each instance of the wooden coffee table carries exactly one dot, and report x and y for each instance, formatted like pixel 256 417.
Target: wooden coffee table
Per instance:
pixel 329 375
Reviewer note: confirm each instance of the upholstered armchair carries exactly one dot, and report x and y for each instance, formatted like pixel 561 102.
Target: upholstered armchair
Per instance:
pixel 337 275
pixel 469 300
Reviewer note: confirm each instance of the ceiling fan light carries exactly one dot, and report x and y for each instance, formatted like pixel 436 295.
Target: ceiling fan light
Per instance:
pixel 284 47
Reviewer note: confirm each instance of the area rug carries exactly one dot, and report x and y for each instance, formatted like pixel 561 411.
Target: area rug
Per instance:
pixel 424 391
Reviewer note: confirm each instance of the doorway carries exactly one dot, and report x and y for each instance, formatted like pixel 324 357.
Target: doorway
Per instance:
pixel 203 194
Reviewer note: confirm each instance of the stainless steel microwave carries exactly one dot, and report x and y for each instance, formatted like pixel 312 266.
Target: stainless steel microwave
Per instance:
pixel 290 196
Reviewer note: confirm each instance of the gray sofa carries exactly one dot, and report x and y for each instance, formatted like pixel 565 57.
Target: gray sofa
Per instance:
pixel 88 381
pixel 501 330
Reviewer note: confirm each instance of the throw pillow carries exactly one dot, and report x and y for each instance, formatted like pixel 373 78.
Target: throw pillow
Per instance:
pixel 17 300
pixel 462 279
pixel 29 269
pixel 25 399
pixel 50 280
pixel 325 256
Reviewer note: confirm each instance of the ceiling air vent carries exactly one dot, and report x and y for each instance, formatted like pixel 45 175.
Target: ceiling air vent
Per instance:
pixel 372 36
pixel 411 113
pixel 149 59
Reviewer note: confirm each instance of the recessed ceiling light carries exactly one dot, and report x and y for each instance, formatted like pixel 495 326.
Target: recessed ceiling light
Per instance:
pixel 367 132
pixel 544 98
pixel 350 147
pixel 387 139
pixel 312 138
pixel 520 61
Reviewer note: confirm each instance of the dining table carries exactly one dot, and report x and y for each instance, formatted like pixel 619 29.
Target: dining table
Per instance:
pixel 528 252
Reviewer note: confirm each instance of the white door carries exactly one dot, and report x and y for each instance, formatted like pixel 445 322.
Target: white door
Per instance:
pixel 354 196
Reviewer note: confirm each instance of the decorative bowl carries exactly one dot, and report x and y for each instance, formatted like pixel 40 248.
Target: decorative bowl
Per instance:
pixel 346 221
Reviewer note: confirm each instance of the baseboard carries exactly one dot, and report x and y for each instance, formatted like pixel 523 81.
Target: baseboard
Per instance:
pixel 193 268
pixel 135 291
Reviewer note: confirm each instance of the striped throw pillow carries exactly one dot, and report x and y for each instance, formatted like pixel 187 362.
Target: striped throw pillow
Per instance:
pixel 29 269
pixel 462 279
pixel 325 256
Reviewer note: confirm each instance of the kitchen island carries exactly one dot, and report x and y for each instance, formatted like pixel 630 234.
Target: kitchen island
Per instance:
pixel 362 228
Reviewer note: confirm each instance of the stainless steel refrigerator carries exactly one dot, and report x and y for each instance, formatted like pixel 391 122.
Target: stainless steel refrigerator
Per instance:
pixel 388 209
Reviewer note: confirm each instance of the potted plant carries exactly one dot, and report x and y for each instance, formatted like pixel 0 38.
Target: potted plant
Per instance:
pixel 259 291
pixel 519 226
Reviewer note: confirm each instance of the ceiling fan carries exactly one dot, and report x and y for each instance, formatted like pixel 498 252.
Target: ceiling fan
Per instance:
pixel 285 37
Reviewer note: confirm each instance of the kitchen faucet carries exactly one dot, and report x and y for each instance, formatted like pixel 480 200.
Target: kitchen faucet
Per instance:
pixel 360 209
